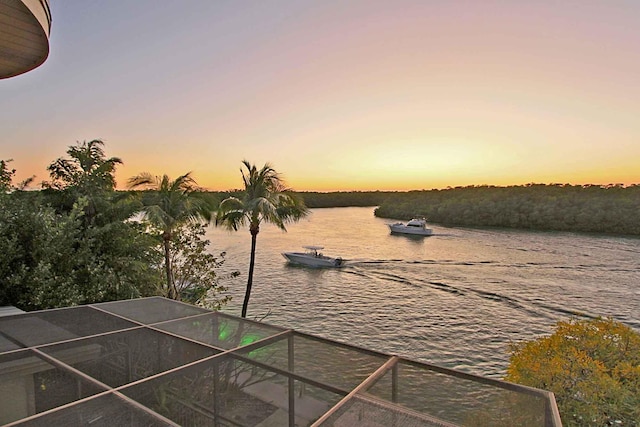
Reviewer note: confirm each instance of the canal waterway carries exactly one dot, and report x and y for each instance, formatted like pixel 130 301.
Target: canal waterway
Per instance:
pixel 455 299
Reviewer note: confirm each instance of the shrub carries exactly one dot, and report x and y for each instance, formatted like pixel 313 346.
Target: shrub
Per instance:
pixel 592 367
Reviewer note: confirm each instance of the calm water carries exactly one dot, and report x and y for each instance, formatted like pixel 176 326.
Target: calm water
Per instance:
pixel 455 299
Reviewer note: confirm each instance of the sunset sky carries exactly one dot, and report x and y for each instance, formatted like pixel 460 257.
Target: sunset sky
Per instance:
pixel 338 95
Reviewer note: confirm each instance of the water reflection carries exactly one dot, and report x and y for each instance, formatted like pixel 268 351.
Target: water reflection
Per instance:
pixel 410 237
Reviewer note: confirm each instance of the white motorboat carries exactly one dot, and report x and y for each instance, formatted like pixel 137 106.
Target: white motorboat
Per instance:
pixel 416 227
pixel 312 257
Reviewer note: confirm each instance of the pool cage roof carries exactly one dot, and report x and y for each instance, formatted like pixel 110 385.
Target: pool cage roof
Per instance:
pixel 158 362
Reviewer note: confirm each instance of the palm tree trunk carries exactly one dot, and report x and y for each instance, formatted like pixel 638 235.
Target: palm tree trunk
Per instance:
pixel 171 288
pixel 247 294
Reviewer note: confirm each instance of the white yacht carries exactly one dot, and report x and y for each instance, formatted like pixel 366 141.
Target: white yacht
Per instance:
pixel 312 257
pixel 417 227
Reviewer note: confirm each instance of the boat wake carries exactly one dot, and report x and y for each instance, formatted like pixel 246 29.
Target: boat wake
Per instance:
pixel 370 269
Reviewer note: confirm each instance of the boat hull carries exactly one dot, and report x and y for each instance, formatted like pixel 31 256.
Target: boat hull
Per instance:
pixel 308 260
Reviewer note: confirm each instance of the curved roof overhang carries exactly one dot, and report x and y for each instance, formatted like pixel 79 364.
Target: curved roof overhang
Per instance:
pixel 24 35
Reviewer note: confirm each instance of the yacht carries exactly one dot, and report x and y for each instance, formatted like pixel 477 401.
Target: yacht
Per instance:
pixel 417 227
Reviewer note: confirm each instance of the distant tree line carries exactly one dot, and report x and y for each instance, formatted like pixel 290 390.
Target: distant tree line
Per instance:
pixel 344 198
pixel 333 199
pixel 611 209
pixel 562 207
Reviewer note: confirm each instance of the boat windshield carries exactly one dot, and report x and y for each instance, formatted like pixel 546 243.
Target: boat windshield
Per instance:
pixel 314 250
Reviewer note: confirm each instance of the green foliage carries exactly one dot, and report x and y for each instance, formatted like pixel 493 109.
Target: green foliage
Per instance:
pixel 592 366
pixel 6 176
pixel 86 169
pixel 172 203
pixel 265 198
pixel 86 173
pixel 50 259
pixel 75 243
pixel 589 208
pixel 169 206
pixel 195 270
pixel 72 243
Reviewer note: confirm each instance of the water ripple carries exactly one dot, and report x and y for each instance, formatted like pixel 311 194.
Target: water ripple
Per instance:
pixel 457 299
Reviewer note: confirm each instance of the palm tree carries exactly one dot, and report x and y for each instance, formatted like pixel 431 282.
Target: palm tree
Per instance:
pixel 264 198
pixel 169 206
pixel 87 168
pixel 86 173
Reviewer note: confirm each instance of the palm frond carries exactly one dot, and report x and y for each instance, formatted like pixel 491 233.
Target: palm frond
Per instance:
pixel 265 198
pixel 231 213
pixel 184 183
pixel 176 199
pixel 144 179
pixel 232 220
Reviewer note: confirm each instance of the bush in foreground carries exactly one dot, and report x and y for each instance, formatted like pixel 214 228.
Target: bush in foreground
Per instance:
pixel 592 367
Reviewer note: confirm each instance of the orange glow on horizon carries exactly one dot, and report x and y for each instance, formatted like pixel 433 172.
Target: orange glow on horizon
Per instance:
pixel 356 96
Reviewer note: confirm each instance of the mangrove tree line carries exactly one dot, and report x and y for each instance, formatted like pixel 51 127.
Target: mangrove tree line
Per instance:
pixel 562 207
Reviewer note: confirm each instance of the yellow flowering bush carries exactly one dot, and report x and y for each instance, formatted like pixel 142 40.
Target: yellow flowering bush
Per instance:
pixel 592 367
